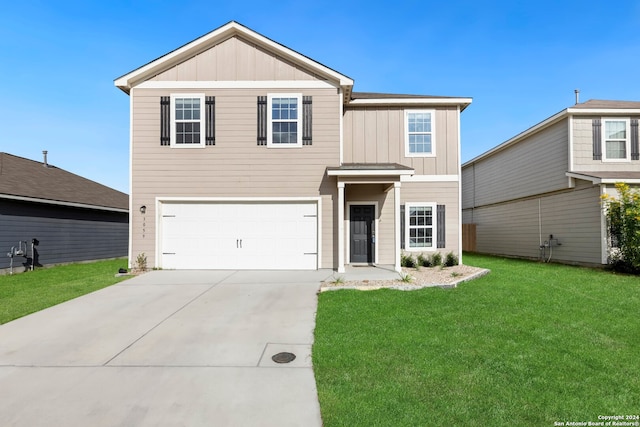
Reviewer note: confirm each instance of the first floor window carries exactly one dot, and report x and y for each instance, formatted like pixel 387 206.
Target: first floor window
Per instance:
pixel 419 133
pixel 285 124
pixel 616 139
pixel 187 124
pixel 420 225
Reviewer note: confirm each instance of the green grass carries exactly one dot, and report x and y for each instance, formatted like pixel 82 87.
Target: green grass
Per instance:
pixel 528 344
pixel 28 292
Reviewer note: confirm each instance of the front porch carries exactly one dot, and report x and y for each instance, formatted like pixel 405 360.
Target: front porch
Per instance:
pixel 369 213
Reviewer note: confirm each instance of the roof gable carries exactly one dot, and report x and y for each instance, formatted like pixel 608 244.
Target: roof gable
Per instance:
pixel 22 178
pixel 215 37
pixel 236 59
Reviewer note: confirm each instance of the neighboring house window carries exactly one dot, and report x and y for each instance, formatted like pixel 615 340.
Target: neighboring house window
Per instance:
pixel 615 139
pixel 187 124
pixel 284 120
pixel 419 133
pixel 420 226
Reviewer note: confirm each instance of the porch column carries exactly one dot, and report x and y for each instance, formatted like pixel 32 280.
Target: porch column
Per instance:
pixel 341 227
pixel 396 208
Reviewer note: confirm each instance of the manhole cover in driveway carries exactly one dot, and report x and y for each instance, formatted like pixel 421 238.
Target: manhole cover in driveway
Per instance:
pixel 283 357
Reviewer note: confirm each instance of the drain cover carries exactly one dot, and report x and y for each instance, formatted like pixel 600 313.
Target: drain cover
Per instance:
pixel 283 357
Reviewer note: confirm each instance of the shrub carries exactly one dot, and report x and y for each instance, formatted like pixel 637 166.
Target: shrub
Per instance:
pixel 436 259
pixel 407 261
pixel 450 260
pixel 141 262
pixel 623 219
pixel 424 261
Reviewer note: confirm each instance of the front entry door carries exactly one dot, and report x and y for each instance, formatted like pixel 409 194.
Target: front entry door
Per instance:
pixel 362 243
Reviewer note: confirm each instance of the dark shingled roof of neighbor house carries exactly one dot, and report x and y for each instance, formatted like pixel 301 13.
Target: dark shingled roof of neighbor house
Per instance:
pixel 606 104
pixel 20 177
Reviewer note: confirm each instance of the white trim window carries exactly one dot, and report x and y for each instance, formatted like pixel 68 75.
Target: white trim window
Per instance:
pixel 419 133
pixel 420 226
pixel 187 120
pixel 284 115
pixel 616 140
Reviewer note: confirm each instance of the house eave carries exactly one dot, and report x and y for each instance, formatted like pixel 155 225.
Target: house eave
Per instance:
pixel 61 203
pixel 599 180
pixel 415 101
pixel 189 50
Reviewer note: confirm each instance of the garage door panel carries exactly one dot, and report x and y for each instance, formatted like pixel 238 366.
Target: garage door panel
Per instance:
pixel 239 235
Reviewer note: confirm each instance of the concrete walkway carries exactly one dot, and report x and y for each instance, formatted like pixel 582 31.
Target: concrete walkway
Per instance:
pixel 168 348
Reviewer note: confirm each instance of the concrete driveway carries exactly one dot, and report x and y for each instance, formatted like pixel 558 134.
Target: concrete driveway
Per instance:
pixel 168 348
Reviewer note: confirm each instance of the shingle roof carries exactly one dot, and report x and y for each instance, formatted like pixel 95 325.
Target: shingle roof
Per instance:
pixel 27 178
pixel 374 95
pixel 607 104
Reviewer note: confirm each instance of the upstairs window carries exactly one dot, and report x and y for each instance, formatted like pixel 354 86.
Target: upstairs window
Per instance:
pixel 284 120
pixel 187 125
pixel 419 133
pixel 615 139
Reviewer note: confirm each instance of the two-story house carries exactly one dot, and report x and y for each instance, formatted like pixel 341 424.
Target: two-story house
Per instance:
pixel 538 195
pixel 248 155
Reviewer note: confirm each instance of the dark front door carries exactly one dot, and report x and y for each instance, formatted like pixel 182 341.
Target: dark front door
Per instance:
pixel 362 233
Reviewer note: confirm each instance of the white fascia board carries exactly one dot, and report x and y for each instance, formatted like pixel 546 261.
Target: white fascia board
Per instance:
pixel 61 203
pixel 202 43
pixel 411 101
pixel 239 84
pixel 597 181
pixel 603 111
pixel 365 173
pixel 543 124
pixel 430 178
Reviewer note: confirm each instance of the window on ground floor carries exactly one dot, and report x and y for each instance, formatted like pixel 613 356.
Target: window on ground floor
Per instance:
pixel 420 226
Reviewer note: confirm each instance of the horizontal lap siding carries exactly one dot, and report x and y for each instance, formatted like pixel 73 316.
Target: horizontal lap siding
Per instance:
pixel 512 228
pixel 236 166
pixel 376 135
pixel 583 149
pixel 65 234
pixel 532 166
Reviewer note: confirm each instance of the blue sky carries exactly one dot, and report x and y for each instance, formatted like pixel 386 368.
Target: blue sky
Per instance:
pixel 519 61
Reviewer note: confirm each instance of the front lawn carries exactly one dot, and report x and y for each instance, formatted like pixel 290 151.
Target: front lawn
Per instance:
pixel 28 292
pixel 528 344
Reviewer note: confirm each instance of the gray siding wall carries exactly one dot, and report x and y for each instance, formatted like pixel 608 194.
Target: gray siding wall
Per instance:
pixel 583 149
pixel 513 228
pixel 65 234
pixel 532 166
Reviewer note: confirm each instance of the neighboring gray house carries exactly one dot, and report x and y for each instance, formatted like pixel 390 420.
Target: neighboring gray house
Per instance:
pixel 539 193
pixel 72 218
pixel 249 155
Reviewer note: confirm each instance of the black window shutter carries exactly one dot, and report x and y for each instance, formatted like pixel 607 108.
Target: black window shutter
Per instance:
pixel 210 117
pixel 440 239
pixel 635 147
pixel 306 120
pixel 165 120
pixel 597 139
pixel 262 120
pixel 402 236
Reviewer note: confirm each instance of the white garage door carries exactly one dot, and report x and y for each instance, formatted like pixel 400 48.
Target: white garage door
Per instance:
pixel 247 236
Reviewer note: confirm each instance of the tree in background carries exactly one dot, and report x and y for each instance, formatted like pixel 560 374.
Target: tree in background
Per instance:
pixel 623 218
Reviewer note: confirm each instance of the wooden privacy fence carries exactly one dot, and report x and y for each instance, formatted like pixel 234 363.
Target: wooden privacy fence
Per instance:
pixel 469 237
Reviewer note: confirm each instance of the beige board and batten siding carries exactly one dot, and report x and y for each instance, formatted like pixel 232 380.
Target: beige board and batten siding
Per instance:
pixel 235 59
pixel 583 149
pixel 440 193
pixel 377 135
pixel 235 166
pixel 532 166
pixel 516 228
